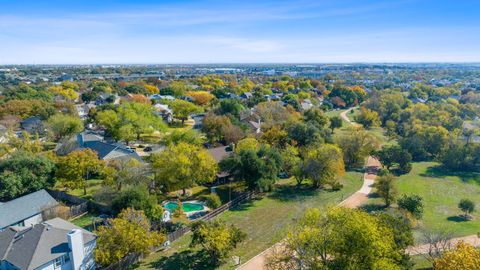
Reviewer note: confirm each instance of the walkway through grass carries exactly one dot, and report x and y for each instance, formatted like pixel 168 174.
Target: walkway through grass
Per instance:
pixel 265 221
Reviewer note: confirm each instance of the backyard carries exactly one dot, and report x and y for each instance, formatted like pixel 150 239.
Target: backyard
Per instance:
pixel 265 221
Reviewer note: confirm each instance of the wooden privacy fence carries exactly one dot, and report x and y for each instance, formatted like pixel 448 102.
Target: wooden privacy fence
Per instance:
pixel 78 206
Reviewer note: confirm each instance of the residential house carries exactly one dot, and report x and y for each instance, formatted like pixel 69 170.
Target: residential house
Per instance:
pixel 256 126
pixel 3 134
pixel 53 244
pixel 105 150
pixel 65 77
pixel 162 97
pixel 107 98
pixel 473 129
pixel 26 210
pixel 83 110
pixel 137 98
pixel 419 100
pixel 33 125
pixel 219 154
pixel 306 104
pixel 164 111
pixel 246 95
pixel 198 119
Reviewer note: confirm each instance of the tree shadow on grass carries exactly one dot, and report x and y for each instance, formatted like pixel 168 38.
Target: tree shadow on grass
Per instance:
pixel 457 219
pixel 373 207
pixel 184 260
pixel 441 172
pixel 294 193
pixel 243 206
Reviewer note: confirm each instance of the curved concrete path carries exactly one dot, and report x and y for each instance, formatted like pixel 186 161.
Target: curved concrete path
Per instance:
pixel 353 201
pixel 344 116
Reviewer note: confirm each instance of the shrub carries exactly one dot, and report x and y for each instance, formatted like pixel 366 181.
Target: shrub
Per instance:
pixel 213 201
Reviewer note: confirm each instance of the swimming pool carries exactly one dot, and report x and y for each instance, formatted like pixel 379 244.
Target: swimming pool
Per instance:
pixel 187 207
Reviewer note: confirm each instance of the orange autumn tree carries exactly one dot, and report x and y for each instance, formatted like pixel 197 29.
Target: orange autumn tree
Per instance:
pixel 200 97
pixel 464 256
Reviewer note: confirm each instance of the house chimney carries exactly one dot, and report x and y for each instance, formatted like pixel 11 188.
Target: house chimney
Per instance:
pixel 75 243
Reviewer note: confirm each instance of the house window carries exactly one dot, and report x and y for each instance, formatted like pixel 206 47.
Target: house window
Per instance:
pixel 57 262
pixel 66 258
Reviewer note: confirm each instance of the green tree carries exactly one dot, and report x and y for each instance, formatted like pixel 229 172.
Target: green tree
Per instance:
pixel 137 198
pixel 394 155
pixel 304 135
pixel 130 117
pixel 216 238
pixel 76 168
pixel 212 200
pixel 126 172
pixel 126 133
pixel 323 164
pixel 467 206
pixel 258 167
pixel 182 166
pixel 335 122
pixel 230 107
pixel 316 117
pixel 115 242
pixel 188 136
pixel 356 144
pixel 220 129
pixel 183 109
pixel 413 204
pixel 386 188
pixel 367 118
pixel 24 173
pixel 63 125
pixel 339 238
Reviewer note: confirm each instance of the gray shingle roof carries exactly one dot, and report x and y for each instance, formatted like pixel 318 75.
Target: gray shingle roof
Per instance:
pixel 24 207
pixel 219 153
pixel 37 245
pixel 105 150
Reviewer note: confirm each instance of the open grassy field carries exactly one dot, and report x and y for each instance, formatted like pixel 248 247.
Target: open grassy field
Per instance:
pixel 441 193
pixel 265 221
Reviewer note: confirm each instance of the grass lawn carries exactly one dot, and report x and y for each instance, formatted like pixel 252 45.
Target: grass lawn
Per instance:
pixel 93 185
pixel 265 221
pixel 84 221
pixel 441 193
pixel 421 263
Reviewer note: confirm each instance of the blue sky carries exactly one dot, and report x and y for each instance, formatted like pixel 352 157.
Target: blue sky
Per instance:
pixel 274 31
